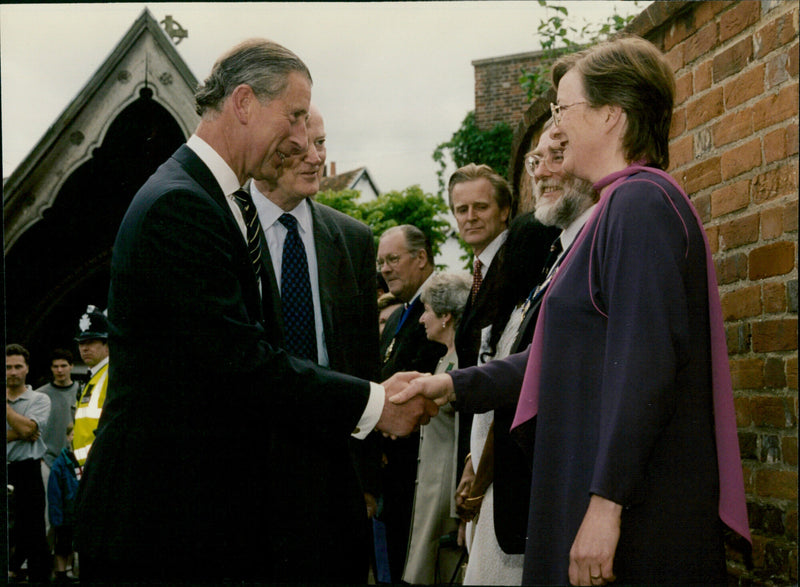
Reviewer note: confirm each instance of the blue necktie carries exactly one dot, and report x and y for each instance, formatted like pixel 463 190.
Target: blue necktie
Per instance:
pixel 296 303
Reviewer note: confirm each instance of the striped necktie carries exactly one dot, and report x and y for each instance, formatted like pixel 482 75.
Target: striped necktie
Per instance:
pixel 253 226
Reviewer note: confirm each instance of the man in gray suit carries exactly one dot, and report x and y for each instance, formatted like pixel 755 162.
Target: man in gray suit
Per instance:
pixel 340 256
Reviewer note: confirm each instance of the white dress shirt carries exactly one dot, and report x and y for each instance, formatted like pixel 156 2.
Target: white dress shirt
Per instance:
pixel 490 252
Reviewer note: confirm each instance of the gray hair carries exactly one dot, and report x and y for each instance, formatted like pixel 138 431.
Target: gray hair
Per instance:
pixel 416 240
pixel 447 293
pixel 259 63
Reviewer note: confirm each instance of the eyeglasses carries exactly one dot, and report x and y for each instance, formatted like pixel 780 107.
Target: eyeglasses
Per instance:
pixel 552 162
pixel 557 109
pixel 390 261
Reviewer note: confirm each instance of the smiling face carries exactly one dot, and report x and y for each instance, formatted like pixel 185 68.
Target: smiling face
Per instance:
pixel 277 128
pixel 558 197
pixel 299 176
pixel 480 219
pixel 579 129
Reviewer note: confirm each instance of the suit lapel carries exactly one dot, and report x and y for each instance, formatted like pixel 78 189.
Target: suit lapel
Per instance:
pixel 330 253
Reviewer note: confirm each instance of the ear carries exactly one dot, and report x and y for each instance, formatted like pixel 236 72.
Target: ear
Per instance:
pixel 241 101
pixel 504 214
pixel 614 115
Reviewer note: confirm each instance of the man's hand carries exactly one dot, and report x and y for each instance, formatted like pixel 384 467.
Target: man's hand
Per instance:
pixel 438 388
pixel 402 420
pixel 591 559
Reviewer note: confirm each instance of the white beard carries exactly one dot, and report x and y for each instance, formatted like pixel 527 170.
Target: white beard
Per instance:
pixel 577 198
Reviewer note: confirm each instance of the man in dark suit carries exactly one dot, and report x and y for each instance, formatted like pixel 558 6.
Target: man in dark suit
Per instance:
pixel 341 270
pixel 405 259
pixel 179 486
pixel 481 201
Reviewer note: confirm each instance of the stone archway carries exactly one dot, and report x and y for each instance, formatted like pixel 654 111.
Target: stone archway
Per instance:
pixel 61 263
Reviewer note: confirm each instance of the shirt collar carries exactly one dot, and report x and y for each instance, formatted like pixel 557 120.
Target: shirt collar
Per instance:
pixel 269 212
pixel 419 290
pixel 24 395
pixel 488 254
pixel 221 171
pixel 570 232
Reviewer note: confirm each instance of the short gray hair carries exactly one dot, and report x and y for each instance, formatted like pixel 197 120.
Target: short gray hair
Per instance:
pixel 259 63
pixel 416 240
pixel 447 293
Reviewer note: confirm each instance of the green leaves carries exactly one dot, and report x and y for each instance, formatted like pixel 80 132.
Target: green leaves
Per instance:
pixel 410 206
pixel 555 38
pixel 469 144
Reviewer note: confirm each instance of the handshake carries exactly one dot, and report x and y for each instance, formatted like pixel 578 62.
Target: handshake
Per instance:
pixel 412 399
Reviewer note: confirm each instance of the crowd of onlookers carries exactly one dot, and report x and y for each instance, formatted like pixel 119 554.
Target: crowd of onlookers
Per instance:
pixel 49 431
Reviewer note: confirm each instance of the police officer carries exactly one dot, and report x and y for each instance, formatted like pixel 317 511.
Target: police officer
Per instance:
pixel 92 342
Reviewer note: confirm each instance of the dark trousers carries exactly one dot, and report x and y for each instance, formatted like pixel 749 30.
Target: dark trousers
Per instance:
pixel 27 537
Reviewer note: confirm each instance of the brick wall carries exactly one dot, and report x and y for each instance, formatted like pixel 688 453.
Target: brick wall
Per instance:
pixel 498 95
pixel 734 148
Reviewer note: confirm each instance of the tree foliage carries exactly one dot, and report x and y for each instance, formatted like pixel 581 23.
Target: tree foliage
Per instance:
pixel 410 206
pixel 556 33
pixel 469 144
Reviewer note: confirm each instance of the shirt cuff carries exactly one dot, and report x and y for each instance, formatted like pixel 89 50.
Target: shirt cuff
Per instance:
pixel 372 413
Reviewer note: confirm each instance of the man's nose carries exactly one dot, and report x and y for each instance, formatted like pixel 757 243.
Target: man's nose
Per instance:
pixel 299 138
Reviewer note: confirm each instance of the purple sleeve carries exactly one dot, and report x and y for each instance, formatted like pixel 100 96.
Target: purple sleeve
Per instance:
pixel 490 386
pixel 639 259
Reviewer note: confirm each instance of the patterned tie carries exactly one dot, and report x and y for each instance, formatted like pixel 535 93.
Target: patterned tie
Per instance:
pixel 253 225
pixel 477 279
pixel 296 304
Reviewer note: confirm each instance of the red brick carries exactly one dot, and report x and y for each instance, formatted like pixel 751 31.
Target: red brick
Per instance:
pixel 678 124
pixel 675 57
pixel 737 232
pixel 775 108
pixel 702 203
pixel 775 145
pixel 705 11
pixel 741 159
pixel 790 217
pixel 777 182
pixel 701 175
pixel 735 20
pixel 712 233
pixel 700 43
pixel 770 260
pixel 681 151
pixel 792 140
pixel 789 451
pixel 741 407
pixel 774 335
pixel 678 30
pixel 771 223
pixel 774 297
pixel 730 198
pixel 733 59
pixel 741 303
pixel 731 268
pixel 776 484
pixel 737 337
pixel 683 88
pixel 774 373
pixel 793 55
pixel 703 76
pixel 780 31
pixel 745 86
pixel 705 108
pixel 769 411
pixel 732 127
pixel 791 373
pixel 778 68
pixel 747 374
